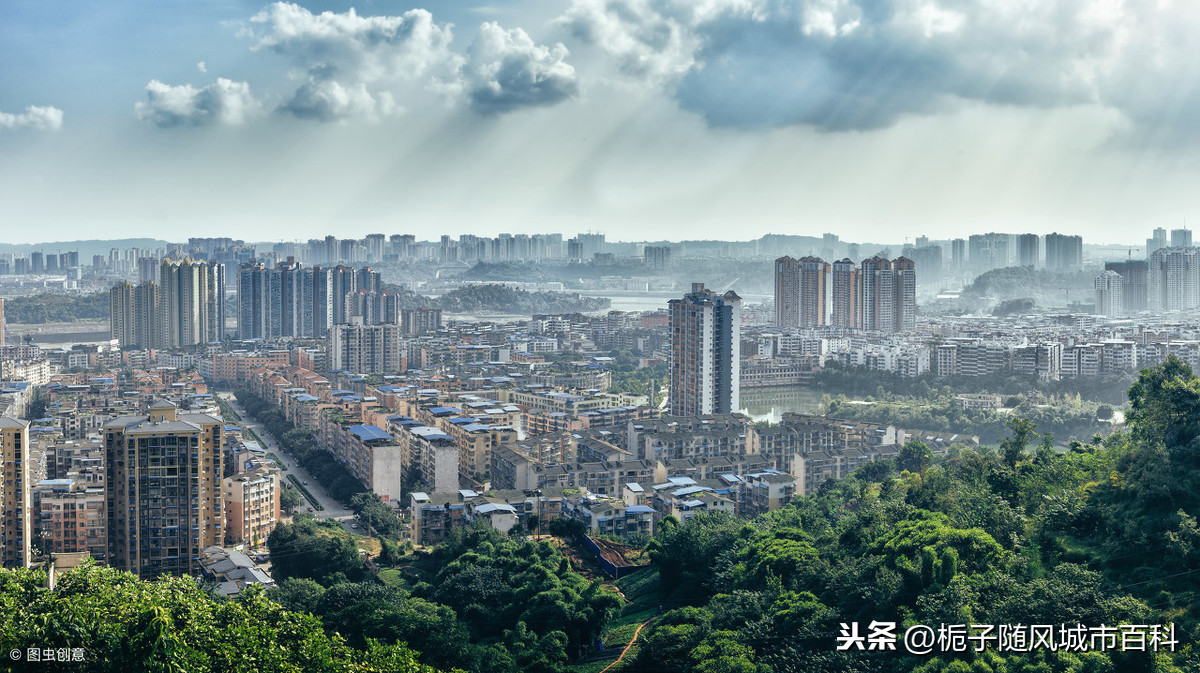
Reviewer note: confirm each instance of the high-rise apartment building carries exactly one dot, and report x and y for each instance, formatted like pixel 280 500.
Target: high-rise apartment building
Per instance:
pixel 843 301
pixel 958 254
pixel 906 294
pixel 814 291
pixel 1158 240
pixel 122 315
pixel 1134 283
pixel 988 251
pixel 192 302
pixel 928 260
pixel 148 270
pixel 1173 279
pixel 1064 254
pixel 705 351
pixel 290 300
pixel 787 292
pixel 801 292
pixel 1028 250
pixel 656 256
pixel 16 522
pixel 877 306
pixel 1181 238
pixel 418 321
pixel 147 317
pixel 277 302
pixel 888 298
pixel 1109 294
pixel 164 490
pixel 365 349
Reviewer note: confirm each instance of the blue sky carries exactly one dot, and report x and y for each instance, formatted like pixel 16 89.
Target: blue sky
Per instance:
pixel 880 120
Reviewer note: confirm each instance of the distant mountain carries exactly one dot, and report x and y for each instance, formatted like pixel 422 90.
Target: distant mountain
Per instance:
pixel 85 248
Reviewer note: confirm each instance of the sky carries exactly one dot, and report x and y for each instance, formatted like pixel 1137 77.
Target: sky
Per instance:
pixel 642 119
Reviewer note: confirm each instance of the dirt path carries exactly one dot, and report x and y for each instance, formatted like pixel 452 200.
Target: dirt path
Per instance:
pixel 628 645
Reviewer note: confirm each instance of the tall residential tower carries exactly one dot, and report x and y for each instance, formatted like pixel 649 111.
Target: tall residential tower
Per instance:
pixel 705 350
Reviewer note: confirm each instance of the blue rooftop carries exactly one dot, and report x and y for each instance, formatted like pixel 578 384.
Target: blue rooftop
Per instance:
pixel 369 432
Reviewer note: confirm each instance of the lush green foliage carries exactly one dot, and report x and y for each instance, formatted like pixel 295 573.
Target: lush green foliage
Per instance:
pixel 487 602
pixel 859 381
pixel 1105 533
pixel 43 308
pixel 628 378
pixel 289 498
pixel 377 514
pixel 1065 417
pixel 170 625
pixel 300 550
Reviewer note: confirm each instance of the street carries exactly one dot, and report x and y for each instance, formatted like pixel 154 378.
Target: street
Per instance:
pixel 333 509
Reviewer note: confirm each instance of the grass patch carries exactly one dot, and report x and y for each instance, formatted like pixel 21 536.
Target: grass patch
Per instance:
pixel 392 578
pixel 369 543
pixel 596 665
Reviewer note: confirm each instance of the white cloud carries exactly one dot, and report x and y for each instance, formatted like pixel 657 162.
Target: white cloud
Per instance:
pixel 506 70
pixel 39 117
pixel 352 59
pixel 646 41
pixel 327 100
pixel 222 102
pixel 859 64
pixel 201 67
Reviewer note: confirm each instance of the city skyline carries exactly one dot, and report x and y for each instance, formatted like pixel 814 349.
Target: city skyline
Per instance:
pixel 795 117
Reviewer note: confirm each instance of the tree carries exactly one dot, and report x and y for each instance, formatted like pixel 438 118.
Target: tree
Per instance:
pixel 914 456
pixel 1022 434
pixel 289 498
pixel 299 550
pixel 1165 404
pixel 388 555
pixel 170 625
pixel 1104 412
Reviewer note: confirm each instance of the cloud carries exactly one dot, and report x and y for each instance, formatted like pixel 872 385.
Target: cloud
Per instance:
pixel 327 101
pixel 201 67
pixel 842 65
pixel 355 64
pixel 648 39
pixel 39 117
pixel 222 102
pixel 505 71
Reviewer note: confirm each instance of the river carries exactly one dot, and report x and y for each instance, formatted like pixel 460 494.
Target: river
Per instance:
pixel 770 404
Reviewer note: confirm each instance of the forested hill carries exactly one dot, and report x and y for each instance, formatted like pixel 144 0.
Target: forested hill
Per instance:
pixel 1045 288
pixel 43 308
pixel 116 623
pixel 1105 534
pixel 502 299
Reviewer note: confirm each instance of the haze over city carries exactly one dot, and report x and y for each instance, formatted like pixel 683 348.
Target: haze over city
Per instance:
pixel 291 120
pixel 599 336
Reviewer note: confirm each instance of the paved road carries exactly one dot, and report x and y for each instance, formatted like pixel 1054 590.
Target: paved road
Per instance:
pixel 333 509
